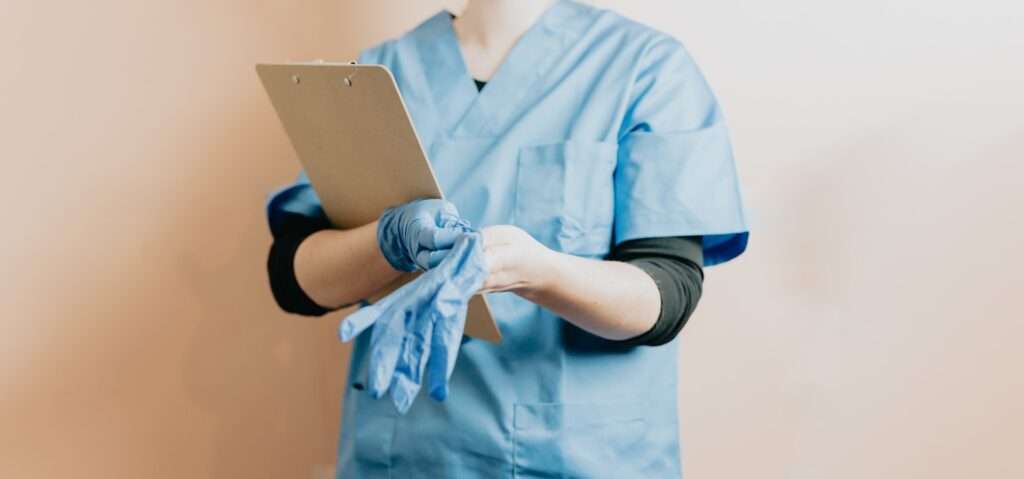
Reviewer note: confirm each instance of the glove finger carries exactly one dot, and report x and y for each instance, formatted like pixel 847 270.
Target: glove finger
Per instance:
pixel 432 283
pixel 408 377
pixel 438 237
pixel 448 333
pixel 450 313
pixel 443 354
pixel 447 209
pixel 430 259
pixel 357 322
pixel 455 222
pixel 364 317
pixel 468 270
pixel 410 302
pixel 385 346
pixel 406 374
pixel 388 335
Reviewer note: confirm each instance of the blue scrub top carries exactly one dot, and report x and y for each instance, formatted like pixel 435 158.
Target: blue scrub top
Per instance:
pixel 595 130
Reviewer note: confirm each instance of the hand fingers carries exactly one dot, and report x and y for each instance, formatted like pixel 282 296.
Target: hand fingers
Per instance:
pixel 388 334
pixel 385 346
pixel 411 364
pixel 366 316
pixel 439 237
pixel 416 360
pixel 357 322
pixel 430 259
pixel 444 351
pixel 456 223
pixel 447 208
pixel 450 306
pixel 435 210
pixel 435 243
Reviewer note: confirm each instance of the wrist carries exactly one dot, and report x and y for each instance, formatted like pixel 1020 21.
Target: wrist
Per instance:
pixel 541 274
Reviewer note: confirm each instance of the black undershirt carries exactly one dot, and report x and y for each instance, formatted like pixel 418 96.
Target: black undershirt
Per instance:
pixel 674 263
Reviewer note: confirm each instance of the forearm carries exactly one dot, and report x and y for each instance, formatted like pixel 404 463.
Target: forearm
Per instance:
pixel 611 299
pixel 338 267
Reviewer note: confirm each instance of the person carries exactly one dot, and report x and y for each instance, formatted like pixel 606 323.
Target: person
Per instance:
pixel 594 158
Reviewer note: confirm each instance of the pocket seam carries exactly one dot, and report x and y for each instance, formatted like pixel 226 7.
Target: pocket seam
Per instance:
pixel 621 411
pixel 574 212
pixel 536 442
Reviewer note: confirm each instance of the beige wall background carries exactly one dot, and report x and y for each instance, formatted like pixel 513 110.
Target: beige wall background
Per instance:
pixel 872 330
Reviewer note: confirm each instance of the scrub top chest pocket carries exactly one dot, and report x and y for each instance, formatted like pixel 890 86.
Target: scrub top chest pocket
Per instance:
pixel 564 195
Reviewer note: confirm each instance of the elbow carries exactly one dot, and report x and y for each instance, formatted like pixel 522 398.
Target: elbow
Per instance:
pixel 284 286
pixel 671 327
pixel 669 333
pixel 680 284
pixel 663 332
pixel 289 304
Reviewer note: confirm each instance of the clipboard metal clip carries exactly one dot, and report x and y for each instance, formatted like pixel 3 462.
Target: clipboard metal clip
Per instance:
pixel 348 79
pixel 296 79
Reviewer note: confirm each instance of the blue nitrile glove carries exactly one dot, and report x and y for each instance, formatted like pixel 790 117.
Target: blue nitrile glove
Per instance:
pixel 418 327
pixel 418 234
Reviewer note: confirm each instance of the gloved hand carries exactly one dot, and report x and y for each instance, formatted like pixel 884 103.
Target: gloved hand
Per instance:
pixel 418 328
pixel 419 234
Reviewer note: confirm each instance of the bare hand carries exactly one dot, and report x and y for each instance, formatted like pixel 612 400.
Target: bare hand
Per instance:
pixel 515 260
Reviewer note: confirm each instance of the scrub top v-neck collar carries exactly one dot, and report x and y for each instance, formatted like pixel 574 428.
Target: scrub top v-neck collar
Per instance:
pixel 464 111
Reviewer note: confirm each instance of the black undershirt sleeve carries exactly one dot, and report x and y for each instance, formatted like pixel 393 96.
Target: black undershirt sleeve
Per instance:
pixel 281 266
pixel 674 265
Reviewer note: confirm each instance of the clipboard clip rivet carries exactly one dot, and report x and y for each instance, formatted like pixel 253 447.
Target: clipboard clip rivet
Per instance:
pixel 348 81
pixel 295 79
